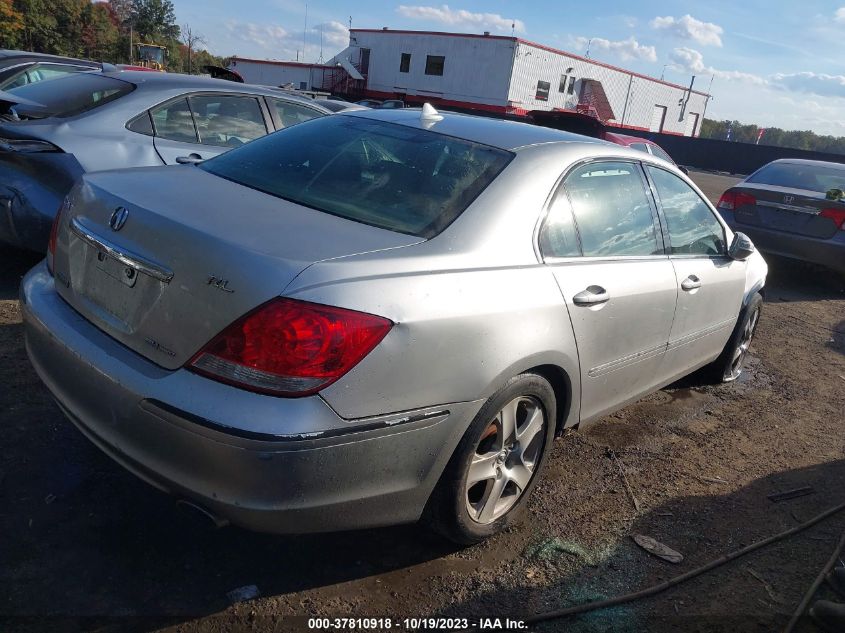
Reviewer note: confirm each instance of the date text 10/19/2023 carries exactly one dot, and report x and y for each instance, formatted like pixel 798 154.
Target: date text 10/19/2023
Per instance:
pixel 415 624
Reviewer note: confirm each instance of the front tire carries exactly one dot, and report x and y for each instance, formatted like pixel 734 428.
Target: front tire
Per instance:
pixel 728 367
pixel 497 463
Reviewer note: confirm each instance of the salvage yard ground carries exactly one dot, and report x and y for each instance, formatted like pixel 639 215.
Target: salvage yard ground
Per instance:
pixel 86 546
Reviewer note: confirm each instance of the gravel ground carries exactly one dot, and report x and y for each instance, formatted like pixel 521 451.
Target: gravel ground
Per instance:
pixel 85 546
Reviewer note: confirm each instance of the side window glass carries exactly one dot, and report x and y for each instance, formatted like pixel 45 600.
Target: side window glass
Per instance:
pixel 174 121
pixel 226 120
pixel 639 146
pixel 292 113
pixel 657 151
pixel 142 124
pixel 558 237
pixel 612 210
pixel 693 228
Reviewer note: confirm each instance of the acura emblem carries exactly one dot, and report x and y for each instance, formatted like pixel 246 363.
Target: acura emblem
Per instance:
pixel 118 218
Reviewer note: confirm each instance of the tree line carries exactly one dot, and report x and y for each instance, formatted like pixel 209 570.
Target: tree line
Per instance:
pixel 796 139
pixel 101 31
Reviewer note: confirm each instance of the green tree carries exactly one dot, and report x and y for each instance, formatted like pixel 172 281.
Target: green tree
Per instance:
pixel 100 32
pixel 154 21
pixel 11 24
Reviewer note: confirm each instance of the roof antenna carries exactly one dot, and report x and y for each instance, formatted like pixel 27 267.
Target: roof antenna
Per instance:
pixel 429 114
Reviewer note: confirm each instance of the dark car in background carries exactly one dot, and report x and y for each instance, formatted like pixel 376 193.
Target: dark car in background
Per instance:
pixel 19 68
pixel 588 125
pixel 53 132
pixel 792 208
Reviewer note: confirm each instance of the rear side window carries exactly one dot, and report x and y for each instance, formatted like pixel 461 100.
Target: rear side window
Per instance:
pixel 382 174
pixel 693 229
pixel 612 210
pixel 558 237
pixel 658 151
pixel 173 121
pixel 227 120
pixel 639 147
pixel 75 93
pixel 291 114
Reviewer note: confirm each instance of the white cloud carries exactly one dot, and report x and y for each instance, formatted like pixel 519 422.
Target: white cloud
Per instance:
pixel 278 43
pixel 624 49
pixel 688 28
pixel 839 16
pixel 691 61
pixel 812 83
pixel 461 18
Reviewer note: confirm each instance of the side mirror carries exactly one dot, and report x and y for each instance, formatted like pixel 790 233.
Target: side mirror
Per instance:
pixel 190 159
pixel 741 248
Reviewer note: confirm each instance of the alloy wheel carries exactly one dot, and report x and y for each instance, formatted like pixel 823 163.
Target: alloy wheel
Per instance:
pixel 505 459
pixel 741 351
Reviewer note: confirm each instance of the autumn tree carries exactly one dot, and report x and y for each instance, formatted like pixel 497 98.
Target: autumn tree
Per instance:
pixel 11 24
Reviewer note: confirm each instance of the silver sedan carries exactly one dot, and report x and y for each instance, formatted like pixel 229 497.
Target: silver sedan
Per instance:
pixel 380 316
pixel 53 131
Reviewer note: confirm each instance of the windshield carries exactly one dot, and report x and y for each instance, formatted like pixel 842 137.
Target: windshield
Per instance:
pixel 71 95
pixel 382 174
pixel 800 176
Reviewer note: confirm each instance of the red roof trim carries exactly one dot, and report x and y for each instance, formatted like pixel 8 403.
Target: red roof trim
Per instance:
pixel 519 40
pixel 276 63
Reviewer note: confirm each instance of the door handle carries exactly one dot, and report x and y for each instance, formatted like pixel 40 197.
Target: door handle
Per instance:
pixel 691 283
pixel 190 159
pixel 591 296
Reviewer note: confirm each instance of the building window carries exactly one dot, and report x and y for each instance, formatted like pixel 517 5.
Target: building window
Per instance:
pixel 405 63
pixel 543 88
pixel 571 90
pixel 562 86
pixel 434 64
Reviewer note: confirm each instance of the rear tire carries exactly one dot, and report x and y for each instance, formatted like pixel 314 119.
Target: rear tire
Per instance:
pixel 728 367
pixel 497 463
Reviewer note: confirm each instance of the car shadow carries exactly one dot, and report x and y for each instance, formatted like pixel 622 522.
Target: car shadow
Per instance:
pixel 747 594
pixel 14 264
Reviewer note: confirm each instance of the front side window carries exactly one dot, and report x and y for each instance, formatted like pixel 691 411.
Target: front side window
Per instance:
pixel 405 63
pixel 542 93
pixel 434 64
pixel 291 114
pixel 693 228
pixel 386 175
pixel 227 120
pixel 612 210
pixel 174 122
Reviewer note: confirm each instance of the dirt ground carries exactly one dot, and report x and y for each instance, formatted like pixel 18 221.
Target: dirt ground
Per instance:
pixel 84 546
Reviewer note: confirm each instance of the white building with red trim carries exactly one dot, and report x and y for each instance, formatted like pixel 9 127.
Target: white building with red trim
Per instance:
pixel 493 73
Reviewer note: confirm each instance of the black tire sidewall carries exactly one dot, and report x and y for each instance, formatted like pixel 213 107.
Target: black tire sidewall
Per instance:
pixel 726 359
pixel 448 513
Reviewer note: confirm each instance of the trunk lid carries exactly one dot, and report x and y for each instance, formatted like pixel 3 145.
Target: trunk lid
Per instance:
pixel 194 253
pixel 786 209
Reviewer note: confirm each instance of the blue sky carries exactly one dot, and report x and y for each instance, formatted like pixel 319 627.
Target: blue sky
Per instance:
pixel 776 63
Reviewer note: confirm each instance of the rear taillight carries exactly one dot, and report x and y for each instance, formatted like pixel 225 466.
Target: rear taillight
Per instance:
pixel 54 232
pixel 837 215
pixel 732 200
pixel 290 348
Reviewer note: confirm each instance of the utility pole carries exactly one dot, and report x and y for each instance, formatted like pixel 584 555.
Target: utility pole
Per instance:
pixel 663 72
pixel 685 99
pixel 627 96
pixel 304 31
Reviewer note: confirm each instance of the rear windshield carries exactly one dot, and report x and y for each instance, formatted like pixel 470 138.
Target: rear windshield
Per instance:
pixel 382 174
pixel 71 95
pixel 797 176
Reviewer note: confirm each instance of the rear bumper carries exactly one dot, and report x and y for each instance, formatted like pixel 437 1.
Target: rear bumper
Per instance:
pixel 267 464
pixel 830 252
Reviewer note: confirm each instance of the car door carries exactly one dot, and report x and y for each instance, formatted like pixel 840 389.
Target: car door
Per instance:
pixel 602 240
pixel 710 283
pixel 205 125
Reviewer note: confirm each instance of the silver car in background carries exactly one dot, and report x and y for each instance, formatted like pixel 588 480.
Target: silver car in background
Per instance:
pixel 53 131
pixel 379 316
pixel 793 208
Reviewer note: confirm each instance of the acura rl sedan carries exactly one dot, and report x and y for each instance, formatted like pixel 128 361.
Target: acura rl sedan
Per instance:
pixel 53 131
pixel 379 316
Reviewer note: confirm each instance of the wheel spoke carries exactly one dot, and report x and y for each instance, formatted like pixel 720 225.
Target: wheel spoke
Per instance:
pixel 491 499
pixel 508 419
pixel 520 475
pixel 531 428
pixel 482 467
